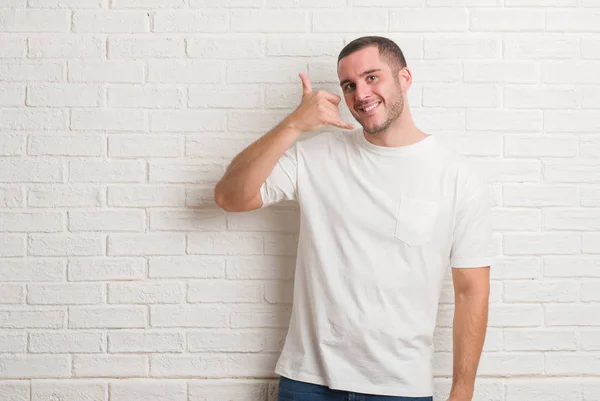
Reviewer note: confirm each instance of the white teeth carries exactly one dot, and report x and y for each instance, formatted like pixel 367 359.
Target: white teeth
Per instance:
pixel 371 107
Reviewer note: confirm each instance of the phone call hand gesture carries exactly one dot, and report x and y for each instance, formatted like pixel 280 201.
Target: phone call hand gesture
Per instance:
pixel 317 109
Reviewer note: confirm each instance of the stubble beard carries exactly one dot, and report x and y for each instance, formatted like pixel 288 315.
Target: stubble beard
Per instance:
pixel 394 112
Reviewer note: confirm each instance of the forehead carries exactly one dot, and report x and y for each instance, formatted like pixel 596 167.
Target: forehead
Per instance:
pixel 358 62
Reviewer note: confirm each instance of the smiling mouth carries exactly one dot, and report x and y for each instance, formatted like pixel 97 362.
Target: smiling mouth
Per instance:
pixel 369 109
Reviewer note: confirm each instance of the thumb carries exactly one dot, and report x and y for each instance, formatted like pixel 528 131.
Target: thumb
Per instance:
pixel 306 88
pixel 344 125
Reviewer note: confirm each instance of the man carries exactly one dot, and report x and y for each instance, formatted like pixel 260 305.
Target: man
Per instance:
pixel 384 212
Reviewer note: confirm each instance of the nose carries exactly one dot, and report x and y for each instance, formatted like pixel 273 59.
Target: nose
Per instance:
pixel 362 92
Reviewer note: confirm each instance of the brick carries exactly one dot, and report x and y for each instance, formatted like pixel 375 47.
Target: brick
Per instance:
pixel 12 145
pixel 107 317
pixel 504 120
pixel 265 220
pixel 539 244
pixel 568 363
pixel 269 72
pixel 571 121
pixel 188 316
pixel 461 47
pixel 590 196
pixel 540 146
pixel 186 267
pixel 541 291
pixel 536 195
pixel 143 47
pixel 53 145
pixel 106 71
pixel 66 342
pixel 508 72
pixel 572 266
pixel 164 390
pixel 541 389
pixel 15 20
pixel 111 21
pixel 12 94
pixel 472 144
pixel 590 291
pixel 261 267
pixel 12 245
pixel 32 119
pixel 13 47
pixel 545 3
pixel 279 292
pixel 38 270
pixel 107 171
pixel 236 96
pixel 579 72
pixel 590 339
pixel 463 3
pixel 541 46
pixel 207 147
pixel 66 46
pixel 12 342
pixel 12 294
pixel 541 98
pixel 254 121
pixel 147 4
pixel 200 196
pixel 572 219
pixel 499 20
pixel 472 96
pixel 226 3
pixel 572 315
pixel 106 119
pixel 31 319
pixel 65 95
pixel 591 97
pixel 185 365
pixel 207 390
pixel 261 365
pixel 589 243
pixel 187 71
pixel 225 243
pixel 157 292
pixel 121 220
pixel 110 366
pixel 350 20
pixel 250 316
pixel 428 19
pixel 146 244
pixel 229 47
pixel 18 390
pixel 65 245
pixel 34 366
pixel 430 119
pixel 68 390
pixel 148 96
pixel 11 197
pixel 303 46
pixel 124 341
pixel 146 196
pixel 200 220
pixel 501 171
pixel 31 222
pixel 190 21
pixel 225 341
pixel 31 71
pixel 271 21
pixel 581 20
pixel 590 48
pixel 185 172
pixel 496 364
pixel 572 172
pixel 113 269
pixel 522 220
pixel 64 196
pixel 224 291
pixel 19 170
pixel 281 244
pixel 134 146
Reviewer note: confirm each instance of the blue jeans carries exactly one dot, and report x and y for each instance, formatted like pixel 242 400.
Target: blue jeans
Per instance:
pixel 292 390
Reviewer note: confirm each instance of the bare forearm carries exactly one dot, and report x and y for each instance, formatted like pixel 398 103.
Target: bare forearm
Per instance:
pixel 249 169
pixel 470 324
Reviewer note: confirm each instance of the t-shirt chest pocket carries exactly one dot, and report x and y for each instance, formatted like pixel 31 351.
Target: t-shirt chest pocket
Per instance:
pixel 415 220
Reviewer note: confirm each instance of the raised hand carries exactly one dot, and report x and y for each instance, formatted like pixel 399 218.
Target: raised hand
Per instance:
pixel 317 109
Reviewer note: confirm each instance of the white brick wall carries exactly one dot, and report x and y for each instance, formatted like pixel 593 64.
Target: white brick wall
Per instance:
pixel 121 280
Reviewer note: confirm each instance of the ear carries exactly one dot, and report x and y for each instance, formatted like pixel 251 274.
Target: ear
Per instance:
pixel 405 78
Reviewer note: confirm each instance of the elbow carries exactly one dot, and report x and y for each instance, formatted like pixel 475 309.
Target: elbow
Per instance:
pixel 221 198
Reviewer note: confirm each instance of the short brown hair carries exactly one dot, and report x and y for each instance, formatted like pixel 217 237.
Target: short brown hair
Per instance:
pixel 388 49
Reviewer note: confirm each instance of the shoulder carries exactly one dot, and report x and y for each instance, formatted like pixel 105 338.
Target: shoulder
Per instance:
pixel 326 141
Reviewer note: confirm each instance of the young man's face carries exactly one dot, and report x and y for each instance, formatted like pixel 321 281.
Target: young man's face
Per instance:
pixel 372 92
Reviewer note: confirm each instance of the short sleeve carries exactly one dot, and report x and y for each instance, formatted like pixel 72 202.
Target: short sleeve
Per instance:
pixel 473 242
pixel 281 183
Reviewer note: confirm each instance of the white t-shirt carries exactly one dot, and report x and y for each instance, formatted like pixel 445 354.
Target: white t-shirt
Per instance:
pixel 379 229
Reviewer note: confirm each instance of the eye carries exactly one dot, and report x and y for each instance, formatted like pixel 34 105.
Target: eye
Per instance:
pixel 372 77
pixel 348 87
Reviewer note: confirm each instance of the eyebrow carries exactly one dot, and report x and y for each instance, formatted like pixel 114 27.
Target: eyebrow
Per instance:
pixel 345 81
